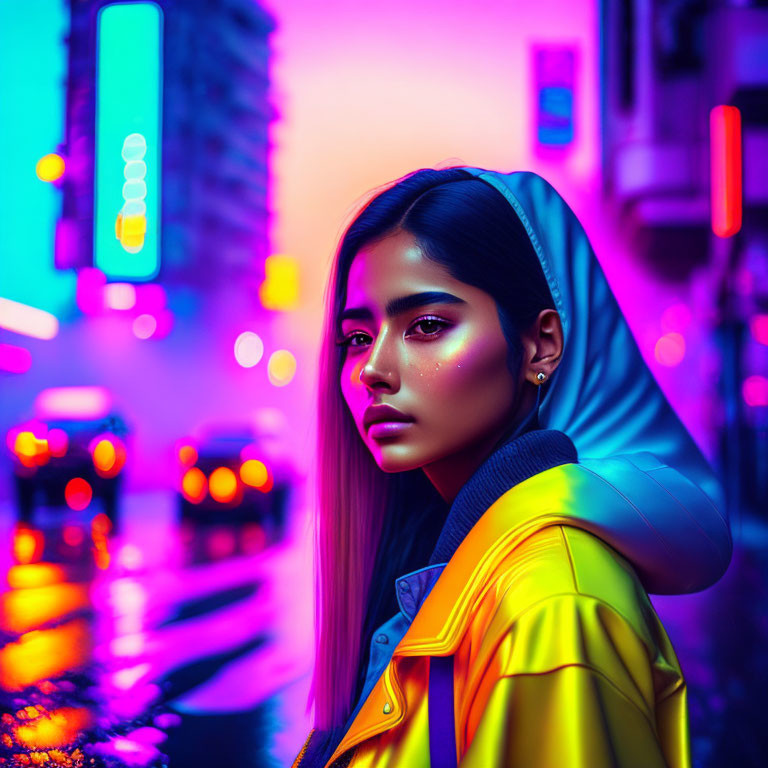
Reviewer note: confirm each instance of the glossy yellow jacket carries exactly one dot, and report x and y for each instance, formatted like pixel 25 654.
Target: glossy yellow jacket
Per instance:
pixel 560 659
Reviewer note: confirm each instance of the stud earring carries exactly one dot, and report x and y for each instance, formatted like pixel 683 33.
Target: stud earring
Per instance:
pixel 541 376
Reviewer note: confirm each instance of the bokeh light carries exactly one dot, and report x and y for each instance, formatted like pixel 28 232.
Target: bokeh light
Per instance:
pixel 280 289
pixel 755 391
pixel 281 367
pixel 50 167
pixel 187 454
pixel 28 544
pixel 58 442
pixel 222 485
pixel 249 349
pixel 27 320
pixel 144 326
pixel 78 493
pixel 14 359
pixel 254 473
pixel 758 325
pixel 194 485
pixel 670 349
pixel 121 296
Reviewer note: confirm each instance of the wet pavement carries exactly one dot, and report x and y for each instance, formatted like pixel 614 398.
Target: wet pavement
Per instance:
pixel 158 645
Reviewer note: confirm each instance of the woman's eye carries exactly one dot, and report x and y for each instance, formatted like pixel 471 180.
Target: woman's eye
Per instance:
pixel 348 341
pixel 430 326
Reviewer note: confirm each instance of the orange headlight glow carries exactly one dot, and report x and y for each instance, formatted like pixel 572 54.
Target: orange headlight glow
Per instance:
pixel 223 484
pixel 194 485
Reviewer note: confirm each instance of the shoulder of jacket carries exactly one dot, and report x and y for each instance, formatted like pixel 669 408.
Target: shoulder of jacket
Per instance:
pixel 562 563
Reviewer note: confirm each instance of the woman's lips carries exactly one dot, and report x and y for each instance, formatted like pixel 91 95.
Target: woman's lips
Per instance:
pixel 382 429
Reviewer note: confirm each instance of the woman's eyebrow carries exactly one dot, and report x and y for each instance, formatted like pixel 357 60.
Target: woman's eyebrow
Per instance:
pixel 403 304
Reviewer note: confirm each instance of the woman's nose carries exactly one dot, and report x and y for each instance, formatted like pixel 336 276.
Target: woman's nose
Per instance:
pixel 381 367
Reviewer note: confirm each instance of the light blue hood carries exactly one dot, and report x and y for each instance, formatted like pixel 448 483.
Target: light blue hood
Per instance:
pixel 669 518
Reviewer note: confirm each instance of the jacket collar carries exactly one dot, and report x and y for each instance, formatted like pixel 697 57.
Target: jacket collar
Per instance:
pixel 518 455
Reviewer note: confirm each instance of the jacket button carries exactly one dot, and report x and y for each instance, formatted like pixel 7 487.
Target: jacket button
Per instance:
pixel 387 708
pixel 405 586
pixel 382 638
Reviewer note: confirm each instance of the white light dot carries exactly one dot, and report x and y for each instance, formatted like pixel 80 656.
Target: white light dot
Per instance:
pixel 249 349
pixel 120 295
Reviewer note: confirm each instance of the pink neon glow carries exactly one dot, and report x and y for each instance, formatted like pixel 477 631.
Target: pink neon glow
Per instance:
pixel 26 320
pixel 755 390
pixel 676 318
pixel 150 297
pixel 73 402
pixel 90 290
pixel 14 359
pixel 725 149
pixel 120 296
pixel 759 327
pixel 164 324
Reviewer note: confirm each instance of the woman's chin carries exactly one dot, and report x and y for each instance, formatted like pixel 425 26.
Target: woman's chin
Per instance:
pixel 396 458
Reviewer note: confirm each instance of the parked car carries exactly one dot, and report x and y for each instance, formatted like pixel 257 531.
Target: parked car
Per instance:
pixel 68 464
pixel 228 478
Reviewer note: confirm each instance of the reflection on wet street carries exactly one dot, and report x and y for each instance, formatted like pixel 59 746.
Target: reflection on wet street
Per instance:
pixel 161 644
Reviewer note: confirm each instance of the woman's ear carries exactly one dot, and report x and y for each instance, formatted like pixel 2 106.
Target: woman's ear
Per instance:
pixel 543 346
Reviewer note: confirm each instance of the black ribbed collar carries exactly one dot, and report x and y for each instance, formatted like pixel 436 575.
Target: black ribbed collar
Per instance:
pixel 514 460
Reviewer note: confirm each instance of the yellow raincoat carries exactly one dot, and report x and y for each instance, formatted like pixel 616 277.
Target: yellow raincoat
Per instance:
pixel 560 659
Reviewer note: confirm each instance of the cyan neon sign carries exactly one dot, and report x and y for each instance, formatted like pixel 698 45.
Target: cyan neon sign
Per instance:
pixel 128 138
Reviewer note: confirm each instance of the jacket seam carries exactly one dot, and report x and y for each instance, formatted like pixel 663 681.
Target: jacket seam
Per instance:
pixel 567 546
pixel 552 597
pixel 600 674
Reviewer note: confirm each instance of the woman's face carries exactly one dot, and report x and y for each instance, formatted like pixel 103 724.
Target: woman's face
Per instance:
pixel 440 362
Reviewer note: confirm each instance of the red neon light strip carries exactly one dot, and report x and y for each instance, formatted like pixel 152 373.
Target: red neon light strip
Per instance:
pixel 725 148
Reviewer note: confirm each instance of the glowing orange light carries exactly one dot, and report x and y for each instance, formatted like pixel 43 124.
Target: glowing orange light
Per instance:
pixel 50 167
pixel 27 609
pixel 254 473
pixel 43 654
pixel 101 558
pixel 104 455
pixel 34 575
pixel 30 450
pixel 725 162
pixel 101 525
pixel 108 453
pixel 223 484
pixel 78 493
pixel 27 545
pixel 193 485
pixel 53 729
pixel 187 455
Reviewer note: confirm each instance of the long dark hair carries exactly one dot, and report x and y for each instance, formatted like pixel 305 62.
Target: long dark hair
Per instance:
pixel 468 227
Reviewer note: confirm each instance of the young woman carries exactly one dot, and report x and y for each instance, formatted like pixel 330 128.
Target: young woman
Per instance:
pixel 500 481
